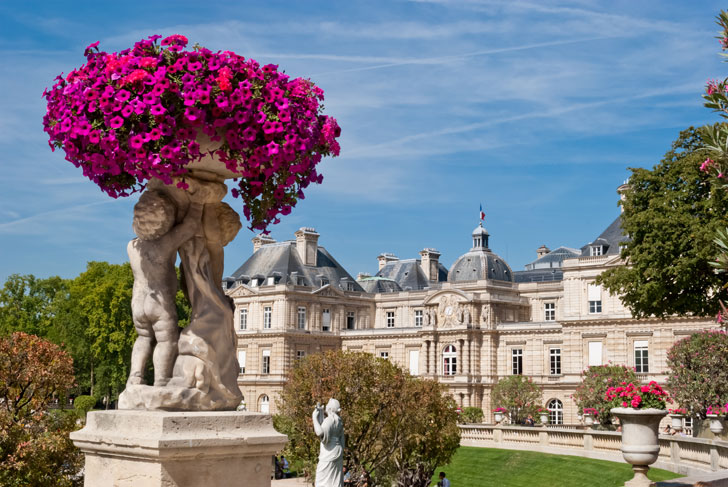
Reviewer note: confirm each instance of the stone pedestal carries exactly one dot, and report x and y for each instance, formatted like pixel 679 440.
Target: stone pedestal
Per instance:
pixel 178 449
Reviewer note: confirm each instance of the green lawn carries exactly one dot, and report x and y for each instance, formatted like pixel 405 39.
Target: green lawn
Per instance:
pixel 489 467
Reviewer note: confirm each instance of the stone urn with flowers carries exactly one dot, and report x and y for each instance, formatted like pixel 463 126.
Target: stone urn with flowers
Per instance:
pixel 589 415
pixel 543 415
pixel 676 418
pixel 178 126
pixel 640 410
pixel 499 414
pixel 714 413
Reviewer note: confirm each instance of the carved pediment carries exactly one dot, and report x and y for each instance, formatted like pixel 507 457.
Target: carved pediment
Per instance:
pixel 242 291
pixel 453 309
pixel 327 290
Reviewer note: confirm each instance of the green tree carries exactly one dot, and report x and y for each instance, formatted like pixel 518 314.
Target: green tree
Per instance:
pixel 594 383
pixel 34 445
pixel 398 427
pixel 671 214
pixel 519 395
pixel 698 375
pixel 28 304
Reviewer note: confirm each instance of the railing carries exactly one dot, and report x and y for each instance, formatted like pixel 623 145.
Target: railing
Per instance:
pixel 680 454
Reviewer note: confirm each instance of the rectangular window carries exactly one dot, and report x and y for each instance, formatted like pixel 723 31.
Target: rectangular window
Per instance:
pixel 390 319
pixel 243 318
pixel 384 355
pixel 326 320
pixel 324 281
pixel 414 362
pixel 641 359
pixel 517 361
pixel 267 317
pixel 595 353
pixel 594 296
pixel 350 320
pixel 301 318
pixel 418 317
pixel 241 360
pixel 300 354
pixel 266 362
pixel 549 310
pixel 271 281
pixel 555 361
pixel 595 250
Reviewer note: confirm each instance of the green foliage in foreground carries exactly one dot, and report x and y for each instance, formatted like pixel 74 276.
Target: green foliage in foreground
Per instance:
pixel 490 467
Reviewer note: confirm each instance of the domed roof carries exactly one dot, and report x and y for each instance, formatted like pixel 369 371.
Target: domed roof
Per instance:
pixel 480 262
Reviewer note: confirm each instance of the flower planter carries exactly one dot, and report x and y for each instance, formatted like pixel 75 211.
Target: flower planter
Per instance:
pixel 640 430
pixel 544 418
pixel 498 416
pixel 676 422
pixel 716 424
pixel 588 419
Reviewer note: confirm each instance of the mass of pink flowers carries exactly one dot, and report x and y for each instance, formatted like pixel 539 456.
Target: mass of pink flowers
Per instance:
pixel 717 410
pixel 592 411
pixel 138 114
pixel 682 411
pixel 628 395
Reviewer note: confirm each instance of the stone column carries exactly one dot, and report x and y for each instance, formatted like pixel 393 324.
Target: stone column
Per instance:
pixel 461 360
pixel 466 354
pixel 133 448
pixel 433 357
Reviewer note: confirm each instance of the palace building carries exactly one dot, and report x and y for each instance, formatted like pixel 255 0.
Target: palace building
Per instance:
pixel 467 326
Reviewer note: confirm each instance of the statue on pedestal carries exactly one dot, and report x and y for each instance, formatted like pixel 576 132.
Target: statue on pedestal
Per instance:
pixel 330 430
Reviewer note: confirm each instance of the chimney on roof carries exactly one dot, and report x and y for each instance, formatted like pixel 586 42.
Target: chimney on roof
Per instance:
pixel 541 251
pixel 260 240
pixel 362 275
pixel 430 260
pixel 307 245
pixel 385 258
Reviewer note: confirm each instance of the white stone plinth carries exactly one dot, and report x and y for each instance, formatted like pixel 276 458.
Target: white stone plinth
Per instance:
pixel 130 448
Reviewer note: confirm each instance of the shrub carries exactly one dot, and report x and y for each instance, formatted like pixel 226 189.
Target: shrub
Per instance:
pixel 471 415
pixel 84 404
pixel 698 375
pixel 595 381
pixel 519 395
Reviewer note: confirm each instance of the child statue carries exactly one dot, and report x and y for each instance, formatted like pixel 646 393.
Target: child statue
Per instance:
pixel 152 256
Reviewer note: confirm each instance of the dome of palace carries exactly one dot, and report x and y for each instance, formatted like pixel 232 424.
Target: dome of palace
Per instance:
pixel 480 262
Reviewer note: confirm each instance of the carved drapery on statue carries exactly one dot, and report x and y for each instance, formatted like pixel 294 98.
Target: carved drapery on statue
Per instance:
pixel 205 369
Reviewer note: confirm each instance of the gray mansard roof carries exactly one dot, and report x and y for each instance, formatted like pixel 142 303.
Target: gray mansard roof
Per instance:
pixel 281 261
pixel 408 274
pixel 610 239
pixel 378 284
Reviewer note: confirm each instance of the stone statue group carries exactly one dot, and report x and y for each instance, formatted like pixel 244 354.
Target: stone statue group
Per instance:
pixel 194 368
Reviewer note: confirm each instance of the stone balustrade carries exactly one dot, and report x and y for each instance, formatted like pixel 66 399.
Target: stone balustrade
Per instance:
pixel 680 454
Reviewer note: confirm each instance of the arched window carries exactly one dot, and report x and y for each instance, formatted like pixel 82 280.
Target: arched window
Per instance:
pixel 264 404
pixel 556 411
pixel 449 361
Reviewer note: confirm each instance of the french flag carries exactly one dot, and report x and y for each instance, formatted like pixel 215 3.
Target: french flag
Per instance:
pixel 482 215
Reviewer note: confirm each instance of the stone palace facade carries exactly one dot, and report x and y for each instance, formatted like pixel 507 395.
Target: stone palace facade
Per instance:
pixel 466 327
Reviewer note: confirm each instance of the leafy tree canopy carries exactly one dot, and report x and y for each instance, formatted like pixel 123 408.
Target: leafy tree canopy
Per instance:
pixel 34 445
pixel 398 428
pixel 519 395
pixel 671 214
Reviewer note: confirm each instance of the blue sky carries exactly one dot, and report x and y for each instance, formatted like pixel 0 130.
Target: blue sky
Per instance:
pixel 533 109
